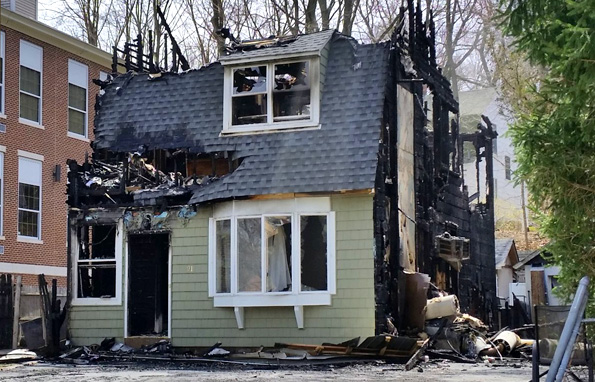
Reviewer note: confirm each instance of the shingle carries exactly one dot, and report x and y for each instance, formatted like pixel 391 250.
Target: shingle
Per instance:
pixel 186 111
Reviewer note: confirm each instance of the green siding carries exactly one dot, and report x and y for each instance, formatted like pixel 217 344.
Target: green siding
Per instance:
pixel 195 322
pixel 91 324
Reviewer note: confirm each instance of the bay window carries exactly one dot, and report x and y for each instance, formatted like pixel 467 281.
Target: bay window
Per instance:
pixel 272 253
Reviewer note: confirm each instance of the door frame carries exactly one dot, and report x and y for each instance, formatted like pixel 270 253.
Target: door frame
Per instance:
pixel 169 279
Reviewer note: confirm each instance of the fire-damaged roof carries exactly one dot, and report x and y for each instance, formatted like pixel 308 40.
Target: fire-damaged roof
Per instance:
pixel 278 47
pixel 185 111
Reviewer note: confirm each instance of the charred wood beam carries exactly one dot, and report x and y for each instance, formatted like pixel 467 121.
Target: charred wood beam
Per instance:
pixel 175 46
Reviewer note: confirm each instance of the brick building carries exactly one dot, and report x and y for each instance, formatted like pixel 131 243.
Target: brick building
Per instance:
pixel 47 102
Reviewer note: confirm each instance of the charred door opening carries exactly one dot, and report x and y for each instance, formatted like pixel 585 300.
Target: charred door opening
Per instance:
pixel 148 257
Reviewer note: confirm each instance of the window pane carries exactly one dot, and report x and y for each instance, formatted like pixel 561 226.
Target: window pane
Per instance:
pixel 278 234
pixel 249 109
pixel 76 122
pixel 30 81
pixel 28 223
pixel 28 196
pixel 249 255
pixel 97 242
pixel 29 107
pixel 313 251
pixel 250 80
pixel 77 97
pixel 291 93
pixel 96 280
pixel 223 255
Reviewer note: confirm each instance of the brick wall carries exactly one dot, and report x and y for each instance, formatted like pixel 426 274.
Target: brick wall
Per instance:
pixel 52 142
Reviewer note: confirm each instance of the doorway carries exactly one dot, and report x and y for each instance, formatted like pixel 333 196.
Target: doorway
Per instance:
pixel 148 276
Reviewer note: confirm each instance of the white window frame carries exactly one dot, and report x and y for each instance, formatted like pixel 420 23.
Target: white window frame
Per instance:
pixel 28 61
pixel 2 79
pixel 24 157
pixel 295 297
pixel 312 122
pixel 74 253
pixel 78 75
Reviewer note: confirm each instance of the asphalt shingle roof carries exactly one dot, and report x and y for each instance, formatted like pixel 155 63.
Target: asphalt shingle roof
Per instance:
pixel 186 111
pixel 502 250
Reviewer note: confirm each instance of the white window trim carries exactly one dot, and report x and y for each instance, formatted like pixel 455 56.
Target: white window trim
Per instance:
pixel 30 155
pixel 2 80
pixel 313 122
pixel 40 96
pixel 296 298
pixel 23 238
pixel 74 253
pixel 86 87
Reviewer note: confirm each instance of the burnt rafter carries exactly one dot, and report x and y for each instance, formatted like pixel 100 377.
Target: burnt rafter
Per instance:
pixel 134 58
pixel 417 37
pixel 156 177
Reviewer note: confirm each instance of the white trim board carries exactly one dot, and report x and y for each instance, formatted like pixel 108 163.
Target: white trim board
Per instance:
pixel 32 269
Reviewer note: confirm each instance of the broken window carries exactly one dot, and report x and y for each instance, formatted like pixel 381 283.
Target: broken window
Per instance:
pixel 262 247
pixel 313 250
pixel 223 257
pixel 249 100
pixel 291 95
pixel 272 94
pixel 96 263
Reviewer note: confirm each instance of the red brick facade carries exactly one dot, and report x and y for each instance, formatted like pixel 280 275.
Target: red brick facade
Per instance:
pixel 52 142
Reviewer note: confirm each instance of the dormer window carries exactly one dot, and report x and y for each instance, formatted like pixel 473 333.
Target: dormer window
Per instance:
pixel 271 96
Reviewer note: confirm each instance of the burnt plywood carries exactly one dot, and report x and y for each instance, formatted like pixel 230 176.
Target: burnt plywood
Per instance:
pixel 406 178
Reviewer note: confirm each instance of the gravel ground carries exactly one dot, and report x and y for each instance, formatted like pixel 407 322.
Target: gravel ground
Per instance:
pixel 134 372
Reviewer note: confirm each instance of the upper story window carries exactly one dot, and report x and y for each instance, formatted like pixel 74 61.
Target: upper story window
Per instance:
pixel 2 38
pixel 29 220
pixel 270 96
pixel 78 75
pixel 31 60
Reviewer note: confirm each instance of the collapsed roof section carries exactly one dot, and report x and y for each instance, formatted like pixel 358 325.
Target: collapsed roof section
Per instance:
pixel 184 111
pixel 279 47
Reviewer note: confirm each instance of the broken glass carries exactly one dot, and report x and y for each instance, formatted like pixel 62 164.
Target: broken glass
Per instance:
pixel 249 255
pixel 278 234
pixel 223 255
pixel 97 261
pixel 291 92
pixel 313 252
pixel 249 99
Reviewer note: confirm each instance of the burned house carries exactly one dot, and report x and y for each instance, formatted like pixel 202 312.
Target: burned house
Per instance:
pixel 281 193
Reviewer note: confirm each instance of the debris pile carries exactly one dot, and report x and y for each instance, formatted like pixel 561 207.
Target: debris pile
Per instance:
pixel 132 181
pixel 450 334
